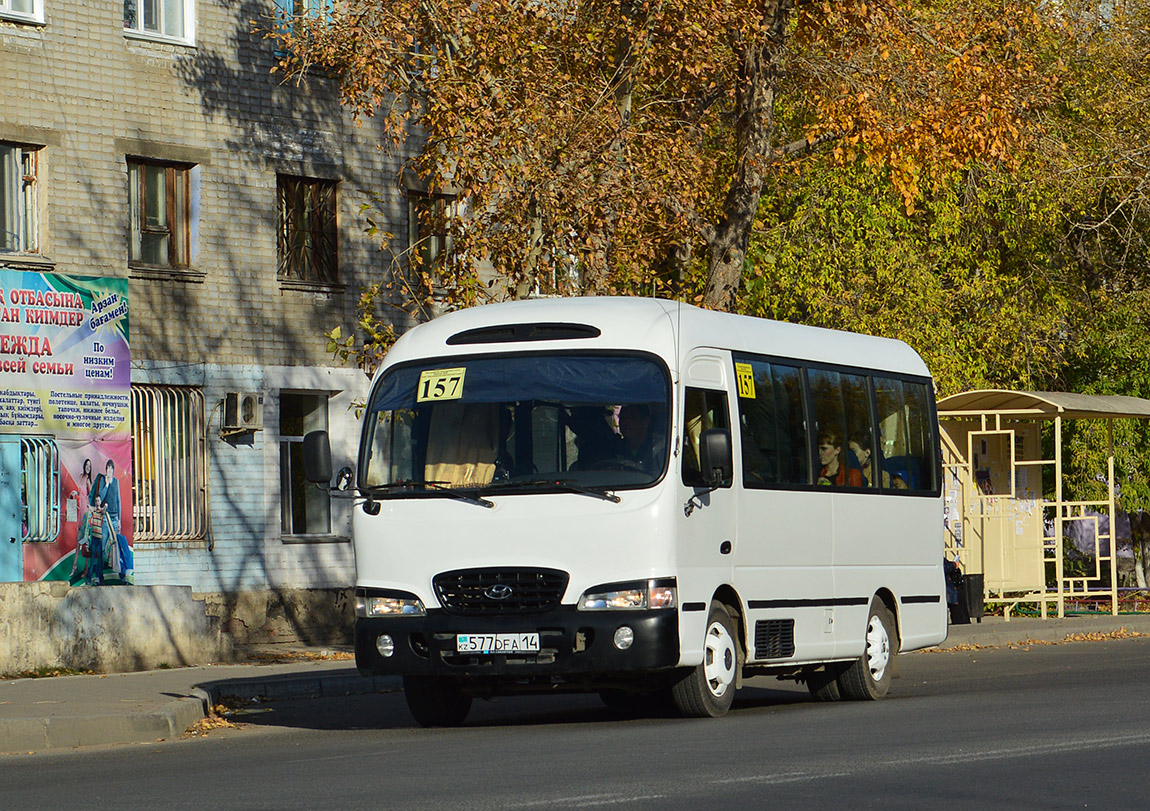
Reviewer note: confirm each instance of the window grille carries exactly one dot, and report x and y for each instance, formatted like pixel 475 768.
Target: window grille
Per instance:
pixel 308 237
pixel 169 463
pixel 40 489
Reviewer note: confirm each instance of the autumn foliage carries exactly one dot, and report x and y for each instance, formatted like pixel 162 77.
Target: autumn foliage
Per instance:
pixel 617 146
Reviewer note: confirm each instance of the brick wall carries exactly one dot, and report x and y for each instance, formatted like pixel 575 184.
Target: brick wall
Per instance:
pixel 90 96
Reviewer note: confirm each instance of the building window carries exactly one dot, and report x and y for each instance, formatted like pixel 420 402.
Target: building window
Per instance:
pixel 159 200
pixel 305 508
pixel 428 235
pixel 23 10
pixel 19 202
pixel 169 464
pixel 172 19
pixel 39 489
pixel 319 9
pixel 307 230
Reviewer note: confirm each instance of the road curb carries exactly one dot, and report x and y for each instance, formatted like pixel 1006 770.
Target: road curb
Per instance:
pixel 287 688
pixel 70 732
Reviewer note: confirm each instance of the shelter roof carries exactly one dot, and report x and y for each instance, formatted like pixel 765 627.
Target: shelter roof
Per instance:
pixel 1043 405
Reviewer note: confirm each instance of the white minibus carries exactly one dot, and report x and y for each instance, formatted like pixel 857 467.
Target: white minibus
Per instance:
pixel 643 499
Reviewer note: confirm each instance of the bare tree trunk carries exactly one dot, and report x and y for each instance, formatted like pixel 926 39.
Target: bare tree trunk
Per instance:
pixel 760 63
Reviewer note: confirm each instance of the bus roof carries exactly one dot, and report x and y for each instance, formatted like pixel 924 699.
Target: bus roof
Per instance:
pixel 647 324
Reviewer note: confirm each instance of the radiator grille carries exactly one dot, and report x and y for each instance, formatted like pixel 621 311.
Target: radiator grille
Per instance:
pixel 774 639
pixel 500 591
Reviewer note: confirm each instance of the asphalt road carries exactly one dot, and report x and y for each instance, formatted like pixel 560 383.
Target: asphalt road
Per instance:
pixel 1052 727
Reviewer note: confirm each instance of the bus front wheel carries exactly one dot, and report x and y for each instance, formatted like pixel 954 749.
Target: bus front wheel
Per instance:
pixel 435 701
pixel 709 688
pixel 868 677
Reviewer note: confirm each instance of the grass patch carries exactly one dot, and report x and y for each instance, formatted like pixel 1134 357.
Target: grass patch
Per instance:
pixel 45 672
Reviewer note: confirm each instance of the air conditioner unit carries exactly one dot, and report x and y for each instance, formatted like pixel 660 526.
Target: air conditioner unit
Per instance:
pixel 243 411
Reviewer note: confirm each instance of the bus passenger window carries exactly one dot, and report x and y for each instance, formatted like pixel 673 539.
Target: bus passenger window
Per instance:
pixel 772 422
pixel 702 409
pixel 840 404
pixel 905 434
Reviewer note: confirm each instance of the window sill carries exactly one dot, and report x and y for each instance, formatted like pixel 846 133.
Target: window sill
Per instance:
pixel 139 544
pixel 161 274
pixel 298 539
pixel 26 261
pixel 311 287
pixel 158 39
pixel 21 19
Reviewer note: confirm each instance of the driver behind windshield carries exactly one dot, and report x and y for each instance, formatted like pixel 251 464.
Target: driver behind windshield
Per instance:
pixel 620 437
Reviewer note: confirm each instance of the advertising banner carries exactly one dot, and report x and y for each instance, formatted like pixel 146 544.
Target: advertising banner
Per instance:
pixel 65 419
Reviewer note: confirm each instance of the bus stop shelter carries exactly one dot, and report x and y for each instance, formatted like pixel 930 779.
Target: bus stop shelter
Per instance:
pixel 1006 514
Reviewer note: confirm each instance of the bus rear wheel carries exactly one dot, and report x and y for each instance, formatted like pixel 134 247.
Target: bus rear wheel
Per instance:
pixel 868 677
pixel 436 701
pixel 709 688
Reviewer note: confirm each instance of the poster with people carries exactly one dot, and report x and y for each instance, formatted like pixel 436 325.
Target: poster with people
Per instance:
pixel 65 426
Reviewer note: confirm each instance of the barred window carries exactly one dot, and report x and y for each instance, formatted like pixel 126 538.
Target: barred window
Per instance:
pixel 428 232
pixel 39 489
pixel 307 244
pixel 169 463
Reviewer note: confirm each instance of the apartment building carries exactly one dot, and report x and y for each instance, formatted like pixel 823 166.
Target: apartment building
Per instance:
pixel 148 153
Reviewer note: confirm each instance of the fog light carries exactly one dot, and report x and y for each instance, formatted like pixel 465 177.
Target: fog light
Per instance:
pixel 624 638
pixel 385 645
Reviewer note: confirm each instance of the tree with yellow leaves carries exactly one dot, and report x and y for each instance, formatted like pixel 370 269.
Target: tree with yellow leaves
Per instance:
pixel 620 146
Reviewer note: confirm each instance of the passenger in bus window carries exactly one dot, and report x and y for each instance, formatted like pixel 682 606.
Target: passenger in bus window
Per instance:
pixel 834 468
pixel 860 445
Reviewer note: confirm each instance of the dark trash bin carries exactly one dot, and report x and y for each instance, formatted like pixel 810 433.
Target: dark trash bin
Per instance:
pixel 974 596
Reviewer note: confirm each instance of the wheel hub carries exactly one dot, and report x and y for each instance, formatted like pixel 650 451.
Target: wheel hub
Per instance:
pixel 719 663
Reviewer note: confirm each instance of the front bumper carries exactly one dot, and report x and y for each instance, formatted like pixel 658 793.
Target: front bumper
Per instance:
pixel 572 644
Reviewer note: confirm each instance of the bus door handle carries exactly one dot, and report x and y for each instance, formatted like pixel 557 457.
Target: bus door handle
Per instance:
pixel 725 548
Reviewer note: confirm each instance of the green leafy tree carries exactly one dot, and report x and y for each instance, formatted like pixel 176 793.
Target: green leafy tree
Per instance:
pixel 617 146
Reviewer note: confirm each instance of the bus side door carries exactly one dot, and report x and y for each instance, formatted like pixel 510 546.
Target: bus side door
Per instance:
pixel 707 524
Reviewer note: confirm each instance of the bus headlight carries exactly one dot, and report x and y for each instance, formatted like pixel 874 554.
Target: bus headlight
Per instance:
pixel 636 596
pixel 371 603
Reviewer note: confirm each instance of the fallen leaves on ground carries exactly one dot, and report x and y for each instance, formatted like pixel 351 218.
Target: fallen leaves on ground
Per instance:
pixel 1027 644
pixel 283 657
pixel 218 717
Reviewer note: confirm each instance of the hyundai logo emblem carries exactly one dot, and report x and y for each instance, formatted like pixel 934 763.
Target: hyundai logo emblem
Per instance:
pixel 500 591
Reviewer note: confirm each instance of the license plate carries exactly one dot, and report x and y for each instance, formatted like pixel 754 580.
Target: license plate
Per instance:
pixel 497 643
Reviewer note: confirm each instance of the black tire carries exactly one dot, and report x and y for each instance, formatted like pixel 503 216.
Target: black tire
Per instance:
pixel 823 683
pixel 708 689
pixel 435 701
pixel 868 678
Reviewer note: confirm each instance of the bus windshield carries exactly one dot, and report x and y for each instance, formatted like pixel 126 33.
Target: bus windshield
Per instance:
pixel 517 423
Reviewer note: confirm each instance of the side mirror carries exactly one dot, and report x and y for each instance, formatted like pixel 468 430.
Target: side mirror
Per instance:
pixel 715 457
pixel 317 458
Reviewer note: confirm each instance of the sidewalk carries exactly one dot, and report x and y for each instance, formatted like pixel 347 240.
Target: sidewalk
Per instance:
pixel 74 711
pixel 154 705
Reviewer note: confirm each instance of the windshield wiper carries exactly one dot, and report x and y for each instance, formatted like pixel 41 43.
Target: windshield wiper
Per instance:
pixel 437 486
pixel 564 484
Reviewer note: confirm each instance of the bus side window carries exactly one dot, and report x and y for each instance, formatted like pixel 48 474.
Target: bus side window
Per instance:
pixel 905 434
pixel 702 409
pixel 772 423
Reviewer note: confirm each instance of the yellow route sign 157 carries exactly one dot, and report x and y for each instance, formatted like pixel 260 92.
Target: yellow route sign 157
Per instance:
pixel 440 384
pixel 745 377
